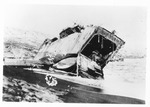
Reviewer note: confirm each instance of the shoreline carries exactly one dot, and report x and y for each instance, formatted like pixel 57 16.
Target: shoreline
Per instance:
pixel 73 92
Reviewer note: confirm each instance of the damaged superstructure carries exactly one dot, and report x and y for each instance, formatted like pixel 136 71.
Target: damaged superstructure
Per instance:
pixel 81 51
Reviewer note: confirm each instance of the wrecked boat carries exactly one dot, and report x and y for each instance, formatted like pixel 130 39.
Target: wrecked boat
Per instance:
pixel 80 51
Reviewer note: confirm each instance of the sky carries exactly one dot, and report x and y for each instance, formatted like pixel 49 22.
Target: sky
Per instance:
pixel 128 22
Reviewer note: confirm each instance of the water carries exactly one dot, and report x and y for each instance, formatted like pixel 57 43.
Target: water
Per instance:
pixel 126 78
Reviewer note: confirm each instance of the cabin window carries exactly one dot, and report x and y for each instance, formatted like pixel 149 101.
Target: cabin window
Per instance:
pixel 100 46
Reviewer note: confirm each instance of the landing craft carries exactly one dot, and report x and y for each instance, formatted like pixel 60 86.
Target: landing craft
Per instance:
pixel 63 63
pixel 79 51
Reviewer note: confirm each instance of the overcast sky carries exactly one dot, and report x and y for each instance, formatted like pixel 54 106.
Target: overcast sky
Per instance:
pixel 129 22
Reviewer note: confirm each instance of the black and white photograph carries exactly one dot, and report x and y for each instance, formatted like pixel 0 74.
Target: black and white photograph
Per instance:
pixel 74 54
